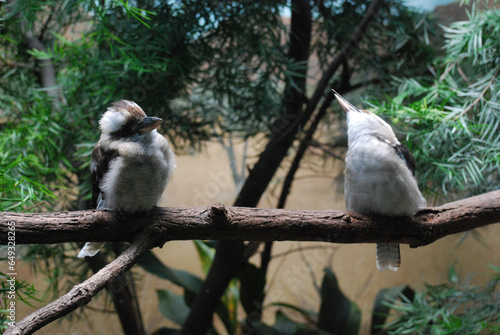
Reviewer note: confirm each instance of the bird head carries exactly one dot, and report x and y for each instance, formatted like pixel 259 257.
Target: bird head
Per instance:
pixel 364 123
pixel 125 118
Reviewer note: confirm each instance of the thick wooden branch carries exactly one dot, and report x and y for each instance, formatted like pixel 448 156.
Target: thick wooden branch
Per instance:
pixel 254 224
pixel 227 223
pixel 82 294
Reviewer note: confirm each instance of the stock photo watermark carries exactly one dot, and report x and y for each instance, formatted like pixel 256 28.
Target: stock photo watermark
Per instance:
pixel 11 275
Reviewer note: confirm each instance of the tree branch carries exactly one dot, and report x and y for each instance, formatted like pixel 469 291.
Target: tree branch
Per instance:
pixel 345 53
pixel 230 224
pixel 286 127
pixel 124 298
pixel 82 294
pixel 219 222
pixel 46 67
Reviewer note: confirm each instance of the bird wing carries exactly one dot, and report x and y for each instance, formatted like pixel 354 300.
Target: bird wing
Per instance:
pixel 405 154
pixel 101 158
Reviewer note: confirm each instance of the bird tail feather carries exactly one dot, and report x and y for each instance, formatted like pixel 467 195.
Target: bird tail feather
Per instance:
pixel 90 249
pixel 388 256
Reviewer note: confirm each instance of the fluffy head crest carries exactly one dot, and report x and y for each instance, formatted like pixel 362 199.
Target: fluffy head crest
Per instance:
pixel 119 115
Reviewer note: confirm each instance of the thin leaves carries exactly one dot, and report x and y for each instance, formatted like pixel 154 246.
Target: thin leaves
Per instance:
pixel 453 308
pixel 452 124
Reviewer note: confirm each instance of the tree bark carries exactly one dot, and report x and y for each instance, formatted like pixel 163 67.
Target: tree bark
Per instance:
pixel 230 224
pixel 219 222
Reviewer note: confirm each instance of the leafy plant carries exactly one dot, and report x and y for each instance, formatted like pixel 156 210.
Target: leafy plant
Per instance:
pixel 381 308
pixel 336 315
pixel 19 191
pixel 191 284
pixel 452 122
pixel 453 308
pixel 26 170
pixel 12 291
pixel 30 147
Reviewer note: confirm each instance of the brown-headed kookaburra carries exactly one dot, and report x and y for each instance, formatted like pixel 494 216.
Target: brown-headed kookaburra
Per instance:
pixel 378 175
pixel 131 164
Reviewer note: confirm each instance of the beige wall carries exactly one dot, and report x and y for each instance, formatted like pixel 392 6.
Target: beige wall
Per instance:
pixel 203 179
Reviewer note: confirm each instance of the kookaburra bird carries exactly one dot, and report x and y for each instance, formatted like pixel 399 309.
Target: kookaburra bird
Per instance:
pixel 378 174
pixel 131 164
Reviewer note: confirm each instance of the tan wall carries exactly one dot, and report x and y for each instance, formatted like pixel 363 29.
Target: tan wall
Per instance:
pixel 203 179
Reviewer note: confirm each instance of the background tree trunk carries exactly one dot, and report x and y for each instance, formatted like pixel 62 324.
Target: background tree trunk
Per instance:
pixel 284 132
pixel 229 255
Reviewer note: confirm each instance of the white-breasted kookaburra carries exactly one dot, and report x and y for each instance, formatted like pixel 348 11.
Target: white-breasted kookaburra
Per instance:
pixel 131 164
pixel 378 175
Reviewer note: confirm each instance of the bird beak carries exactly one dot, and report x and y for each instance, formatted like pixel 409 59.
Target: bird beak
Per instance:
pixel 346 105
pixel 149 124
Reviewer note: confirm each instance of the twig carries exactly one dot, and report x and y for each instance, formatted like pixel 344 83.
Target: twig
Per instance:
pixel 462 74
pixel 302 248
pixel 30 208
pixel 480 95
pixel 446 71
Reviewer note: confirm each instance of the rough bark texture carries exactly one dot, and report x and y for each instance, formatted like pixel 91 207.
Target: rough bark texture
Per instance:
pixel 230 224
pixel 219 222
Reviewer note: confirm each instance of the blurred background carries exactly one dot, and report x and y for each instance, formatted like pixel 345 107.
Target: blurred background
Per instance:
pixel 244 89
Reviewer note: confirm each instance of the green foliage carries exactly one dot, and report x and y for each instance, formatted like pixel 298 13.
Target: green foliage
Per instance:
pixel 172 306
pixel 33 162
pixel 398 42
pixel 284 325
pixel 453 308
pixel 206 253
pixel 184 279
pixel 337 314
pixel 19 191
pixel 30 161
pixel 451 123
pixel 30 145
pixel 13 290
pixel 191 284
pixel 381 308
pixel 252 287
pixel 160 52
